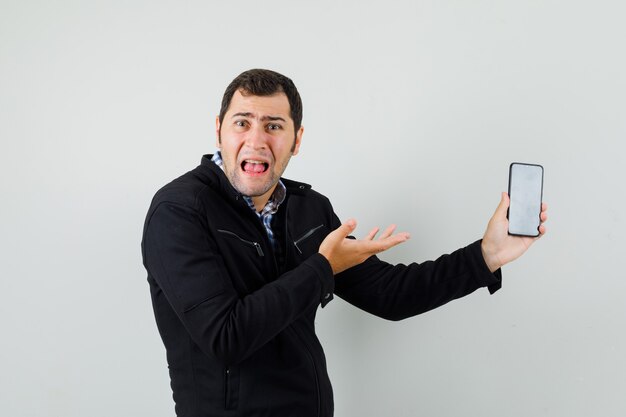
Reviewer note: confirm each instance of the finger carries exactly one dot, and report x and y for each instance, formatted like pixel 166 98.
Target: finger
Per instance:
pixel 372 234
pixel 388 232
pixel 544 216
pixel 544 207
pixel 389 242
pixel 542 231
pixel 395 240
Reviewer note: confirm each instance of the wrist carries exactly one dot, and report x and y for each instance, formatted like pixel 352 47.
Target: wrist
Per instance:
pixel 490 256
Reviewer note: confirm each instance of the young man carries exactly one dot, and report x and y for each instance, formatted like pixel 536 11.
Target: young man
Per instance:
pixel 239 259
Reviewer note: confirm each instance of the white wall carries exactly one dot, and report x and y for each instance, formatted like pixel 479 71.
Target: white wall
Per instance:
pixel 413 111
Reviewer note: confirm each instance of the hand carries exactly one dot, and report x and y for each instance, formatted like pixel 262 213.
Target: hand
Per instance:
pixel 498 247
pixel 343 253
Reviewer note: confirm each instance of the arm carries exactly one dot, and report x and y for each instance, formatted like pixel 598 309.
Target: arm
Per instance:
pixel 182 257
pixel 397 292
pixel 400 291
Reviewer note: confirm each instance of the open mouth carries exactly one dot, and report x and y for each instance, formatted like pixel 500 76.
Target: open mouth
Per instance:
pixel 252 166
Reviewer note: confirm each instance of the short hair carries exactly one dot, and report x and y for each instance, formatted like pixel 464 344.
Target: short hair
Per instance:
pixel 263 82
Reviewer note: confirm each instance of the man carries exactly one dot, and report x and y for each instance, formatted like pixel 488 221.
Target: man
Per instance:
pixel 239 259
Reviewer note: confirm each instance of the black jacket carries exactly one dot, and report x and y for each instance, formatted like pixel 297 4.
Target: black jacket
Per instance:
pixel 237 317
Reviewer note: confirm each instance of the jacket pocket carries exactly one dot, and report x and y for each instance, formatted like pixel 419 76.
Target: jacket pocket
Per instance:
pixel 231 388
pixel 305 236
pixel 255 245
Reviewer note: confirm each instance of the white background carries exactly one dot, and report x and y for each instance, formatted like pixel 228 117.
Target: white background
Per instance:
pixel 413 111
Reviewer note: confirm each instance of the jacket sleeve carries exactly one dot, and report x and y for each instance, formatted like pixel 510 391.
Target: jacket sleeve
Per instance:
pixel 395 292
pixel 183 259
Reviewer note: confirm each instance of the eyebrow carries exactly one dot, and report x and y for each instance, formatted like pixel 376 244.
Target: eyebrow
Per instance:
pixel 249 114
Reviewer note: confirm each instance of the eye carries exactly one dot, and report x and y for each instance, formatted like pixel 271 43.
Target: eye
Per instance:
pixel 240 123
pixel 273 126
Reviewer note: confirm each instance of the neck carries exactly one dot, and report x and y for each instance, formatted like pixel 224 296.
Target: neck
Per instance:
pixel 261 200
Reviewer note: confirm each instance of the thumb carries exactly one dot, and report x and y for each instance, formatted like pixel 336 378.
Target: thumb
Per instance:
pixel 337 236
pixel 503 206
pixel 346 228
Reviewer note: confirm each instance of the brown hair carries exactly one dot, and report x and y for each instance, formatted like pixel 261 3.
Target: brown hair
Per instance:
pixel 263 82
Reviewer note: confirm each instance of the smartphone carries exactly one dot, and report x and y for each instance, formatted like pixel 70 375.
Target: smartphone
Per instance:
pixel 526 193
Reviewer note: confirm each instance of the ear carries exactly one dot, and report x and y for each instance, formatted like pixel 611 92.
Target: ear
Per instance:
pixel 218 143
pixel 296 145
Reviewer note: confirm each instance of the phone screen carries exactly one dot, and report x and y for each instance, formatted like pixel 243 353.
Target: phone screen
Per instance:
pixel 525 192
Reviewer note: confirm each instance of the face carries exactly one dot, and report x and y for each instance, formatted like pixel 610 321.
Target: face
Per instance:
pixel 256 139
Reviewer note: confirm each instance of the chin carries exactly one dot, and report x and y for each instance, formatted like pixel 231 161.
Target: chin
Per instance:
pixel 252 190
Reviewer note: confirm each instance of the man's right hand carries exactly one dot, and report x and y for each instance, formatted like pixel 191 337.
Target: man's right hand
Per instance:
pixel 343 253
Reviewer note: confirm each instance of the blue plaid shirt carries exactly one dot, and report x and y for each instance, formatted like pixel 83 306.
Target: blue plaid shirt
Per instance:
pixel 271 207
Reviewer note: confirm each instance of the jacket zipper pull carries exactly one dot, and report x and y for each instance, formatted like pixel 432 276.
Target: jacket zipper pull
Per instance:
pixel 258 248
pixel 306 235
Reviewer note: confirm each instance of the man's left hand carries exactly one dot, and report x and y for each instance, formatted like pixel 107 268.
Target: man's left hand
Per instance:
pixel 498 247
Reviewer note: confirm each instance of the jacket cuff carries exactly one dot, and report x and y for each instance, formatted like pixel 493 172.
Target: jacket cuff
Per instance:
pixel 485 278
pixel 324 272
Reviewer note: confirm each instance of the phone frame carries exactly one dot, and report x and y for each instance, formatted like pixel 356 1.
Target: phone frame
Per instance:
pixel 540 197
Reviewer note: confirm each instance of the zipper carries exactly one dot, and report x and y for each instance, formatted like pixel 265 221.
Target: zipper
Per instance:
pixel 305 236
pixel 231 388
pixel 227 389
pixel 310 355
pixel 256 245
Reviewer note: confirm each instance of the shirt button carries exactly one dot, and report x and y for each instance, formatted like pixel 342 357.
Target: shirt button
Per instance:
pixel 327 296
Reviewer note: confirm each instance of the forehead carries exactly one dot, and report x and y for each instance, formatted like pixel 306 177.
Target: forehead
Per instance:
pixel 275 105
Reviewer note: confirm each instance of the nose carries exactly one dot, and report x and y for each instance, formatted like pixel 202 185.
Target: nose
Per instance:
pixel 256 137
